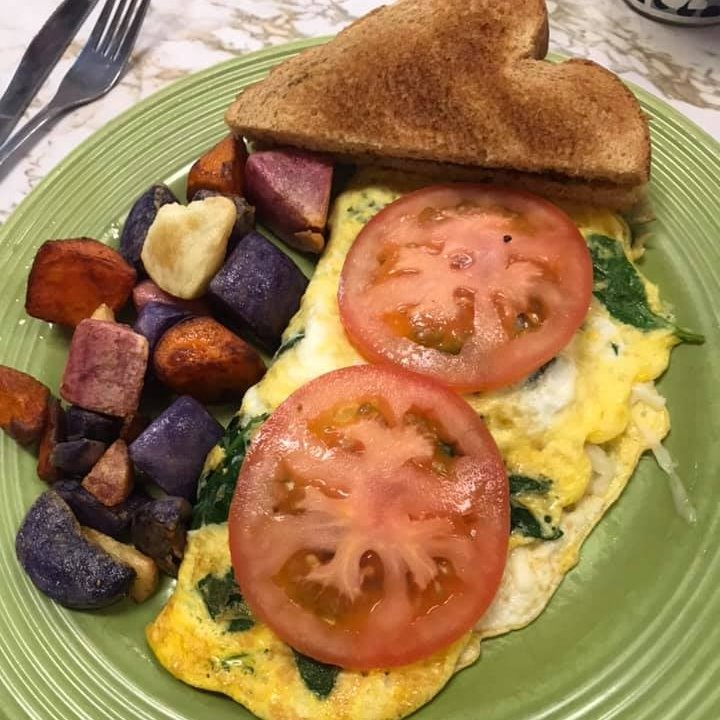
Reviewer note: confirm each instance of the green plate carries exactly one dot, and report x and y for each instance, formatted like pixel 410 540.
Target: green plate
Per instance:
pixel 634 630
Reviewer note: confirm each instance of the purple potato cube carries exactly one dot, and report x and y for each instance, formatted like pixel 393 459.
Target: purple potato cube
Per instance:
pixel 62 564
pixel 81 423
pixel 159 530
pixel 258 289
pixel 139 219
pixel 77 457
pixel 114 521
pixel 171 451
pixel 155 319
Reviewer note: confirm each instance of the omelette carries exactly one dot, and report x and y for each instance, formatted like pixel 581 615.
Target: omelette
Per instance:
pixel 568 447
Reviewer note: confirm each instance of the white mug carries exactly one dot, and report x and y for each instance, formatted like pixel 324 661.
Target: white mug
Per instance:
pixel 679 12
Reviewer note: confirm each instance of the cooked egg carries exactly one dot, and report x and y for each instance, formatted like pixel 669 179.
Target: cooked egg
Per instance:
pixel 577 427
pixel 255 668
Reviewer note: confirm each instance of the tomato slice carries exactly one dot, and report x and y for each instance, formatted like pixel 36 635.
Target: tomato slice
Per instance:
pixel 370 522
pixel 475 285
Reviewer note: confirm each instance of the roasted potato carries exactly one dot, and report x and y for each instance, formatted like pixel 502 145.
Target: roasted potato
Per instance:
pixel 139 219
pixel 147 291
pixel 23 405
pixel 159 530
pixel 244 215
pixel 146 571
pixel 258 289
pixel 172 449
pixel 69 279
pixel 186 245
pixel 62 564
pixel 76 457
pixel 155 319
pixel 103 312
pixel 81 423
pixel 53 434
pixel 111 478
pixel 106 368
pixel 220 168
pixel 114 521
pixel 290 190
pixel 133 426
pixel 202 358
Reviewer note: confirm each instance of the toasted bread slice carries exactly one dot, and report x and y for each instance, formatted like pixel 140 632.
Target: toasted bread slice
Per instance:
pixel 459 84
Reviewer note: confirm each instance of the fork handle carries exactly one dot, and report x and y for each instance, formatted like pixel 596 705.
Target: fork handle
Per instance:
pixel 29 131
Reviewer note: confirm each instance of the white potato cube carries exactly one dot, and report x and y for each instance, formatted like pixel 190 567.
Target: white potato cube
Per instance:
pixel 147 574
pixel 185 246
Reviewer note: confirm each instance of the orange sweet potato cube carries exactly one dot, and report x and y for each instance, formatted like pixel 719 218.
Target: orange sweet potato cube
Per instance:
pixel 23 405
pixel 220 169
pixel 202 358
pixel 69 279
pixel 52 434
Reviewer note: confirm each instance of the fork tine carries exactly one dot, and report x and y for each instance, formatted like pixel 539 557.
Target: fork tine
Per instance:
pixel 113 27
pixel 121 30
pixel 100 25
pixel 129 40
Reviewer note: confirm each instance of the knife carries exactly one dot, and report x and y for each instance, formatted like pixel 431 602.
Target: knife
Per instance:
pixel 39 59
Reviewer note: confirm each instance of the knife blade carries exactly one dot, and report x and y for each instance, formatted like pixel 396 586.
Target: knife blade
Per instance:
pixel 41 56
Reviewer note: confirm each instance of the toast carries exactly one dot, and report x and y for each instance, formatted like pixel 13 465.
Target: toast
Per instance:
pixel 458 87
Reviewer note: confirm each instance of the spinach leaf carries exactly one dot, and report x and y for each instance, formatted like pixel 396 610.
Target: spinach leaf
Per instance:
pixel 318 677
pixel 523 484
pixel 522 519
pixel 524 522
pixel 216 484
pixel 224 601
pixel 618 286
pixel 292 341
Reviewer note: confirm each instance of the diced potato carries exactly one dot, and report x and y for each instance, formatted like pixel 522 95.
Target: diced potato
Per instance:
pixel 139 219
pixel 111 478
pixel 133 426
pixel 114 521
pixel 244 216
pixel 155 319
pixel 159 529
pixel 23 405
pixel 290 189
pixel 147 291
pixel 258 289
pixel 62 563
pixel 106 368
pixel 81 423
pixel 77 457
pixel 103 312
pixel 221 168
pixel 147 575
pixel 186 245
pixel 202 358
pixel 69 279
pixel 53 434
pixel 172 449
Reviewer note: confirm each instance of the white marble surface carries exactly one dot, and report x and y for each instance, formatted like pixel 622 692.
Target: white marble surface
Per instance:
pixel 682 65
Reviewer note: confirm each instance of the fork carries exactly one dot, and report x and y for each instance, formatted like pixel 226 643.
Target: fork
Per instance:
pixel 96 70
